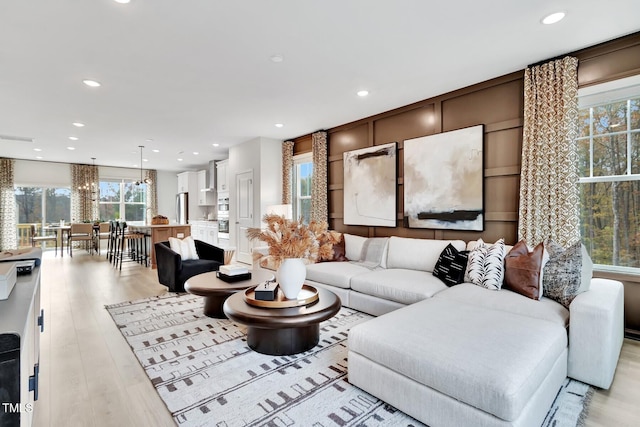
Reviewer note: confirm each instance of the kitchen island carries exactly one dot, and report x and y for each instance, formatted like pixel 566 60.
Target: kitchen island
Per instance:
pixel 161 233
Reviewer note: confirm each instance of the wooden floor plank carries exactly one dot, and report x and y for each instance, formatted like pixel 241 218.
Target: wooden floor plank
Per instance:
pixel 90 377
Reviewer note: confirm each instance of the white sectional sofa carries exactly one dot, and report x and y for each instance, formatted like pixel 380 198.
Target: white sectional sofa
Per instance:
pixel 465 355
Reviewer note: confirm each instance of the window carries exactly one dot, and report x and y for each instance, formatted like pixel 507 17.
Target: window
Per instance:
pixel 122 200
pixel 609 168
pixel 302 176
pixel 40 205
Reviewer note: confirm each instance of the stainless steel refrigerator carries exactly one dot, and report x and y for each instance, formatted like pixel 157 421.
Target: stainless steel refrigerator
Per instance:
pixel 182 208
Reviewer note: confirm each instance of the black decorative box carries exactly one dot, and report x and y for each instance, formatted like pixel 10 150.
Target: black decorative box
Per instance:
pixel 235 278
pixel 266 291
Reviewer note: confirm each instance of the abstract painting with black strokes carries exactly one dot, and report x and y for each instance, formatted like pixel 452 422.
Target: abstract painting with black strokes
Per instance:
pixel 443 180
pixel 370 186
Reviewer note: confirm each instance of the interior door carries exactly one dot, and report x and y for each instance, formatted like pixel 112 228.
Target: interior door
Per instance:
pixel 244 215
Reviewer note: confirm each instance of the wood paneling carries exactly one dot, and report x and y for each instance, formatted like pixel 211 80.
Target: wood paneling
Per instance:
pixel 406 125
pixel 496 103
pixel 490 105
pixel 609 61
pixel 302 145
pixel 503 148
pixel 495 189
pixel 348 139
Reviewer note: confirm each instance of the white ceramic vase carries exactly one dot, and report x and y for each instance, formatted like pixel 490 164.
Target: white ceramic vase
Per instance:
pixel 291 275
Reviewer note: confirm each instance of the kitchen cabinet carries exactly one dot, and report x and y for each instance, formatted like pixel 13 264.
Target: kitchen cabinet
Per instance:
pixel 222 175
pixel 205 196
pixel 21 322
pixel 207 231
pixel 184 179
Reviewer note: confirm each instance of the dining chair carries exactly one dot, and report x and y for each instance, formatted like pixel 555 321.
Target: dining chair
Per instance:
pixel 103 233
pixel 35 238
pixel 81 232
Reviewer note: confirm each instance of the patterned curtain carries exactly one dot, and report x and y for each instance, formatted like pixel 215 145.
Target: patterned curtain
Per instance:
pixel 549 197
pixel 287 171
pixel 319 205
pixel 84 193
pixel 8 225
pixel 152 192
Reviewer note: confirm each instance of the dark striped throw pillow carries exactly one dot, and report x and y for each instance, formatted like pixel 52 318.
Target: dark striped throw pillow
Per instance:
pixel 451 266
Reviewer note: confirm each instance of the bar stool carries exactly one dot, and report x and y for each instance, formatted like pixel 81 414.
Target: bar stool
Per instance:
pixel 126 243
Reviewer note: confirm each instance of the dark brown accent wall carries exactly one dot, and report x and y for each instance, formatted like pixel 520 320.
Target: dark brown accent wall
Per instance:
pixel 498 104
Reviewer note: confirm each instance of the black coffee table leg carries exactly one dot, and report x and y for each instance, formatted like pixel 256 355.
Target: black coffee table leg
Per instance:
pixel 213 306
pixel 283 341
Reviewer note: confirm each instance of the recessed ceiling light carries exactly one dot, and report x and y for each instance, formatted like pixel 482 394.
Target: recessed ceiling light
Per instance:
pixel 179 160
pixel 145 160
pixel 135 166
pixel 553 18
pixel 149 140
pixel 91 83
pixel 276 58
pixel 78 124
pixel 195 153
pixel 122 1
pixel 73 138
pixel 156 150
pixel 38 157
pixel 279 125
pixel 363 93
pixel 216 145
pixel 37 149
pixel 71 148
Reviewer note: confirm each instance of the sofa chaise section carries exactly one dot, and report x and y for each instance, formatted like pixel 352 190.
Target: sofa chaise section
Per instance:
pixel 451 363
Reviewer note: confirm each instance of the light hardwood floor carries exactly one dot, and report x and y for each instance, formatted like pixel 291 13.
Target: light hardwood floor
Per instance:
pixel 90 377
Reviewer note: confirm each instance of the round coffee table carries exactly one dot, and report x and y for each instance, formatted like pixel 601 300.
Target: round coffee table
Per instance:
pixel 215 291
pixel 282 331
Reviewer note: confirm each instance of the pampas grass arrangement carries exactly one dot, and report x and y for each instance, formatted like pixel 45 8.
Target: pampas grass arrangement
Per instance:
pixel 294 239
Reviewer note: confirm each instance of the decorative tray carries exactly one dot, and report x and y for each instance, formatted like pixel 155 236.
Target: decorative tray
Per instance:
pixel 235 278
pixel 307 295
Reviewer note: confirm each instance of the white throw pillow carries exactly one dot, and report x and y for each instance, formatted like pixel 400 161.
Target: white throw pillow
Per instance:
pixel 586 271
pixel 486 265
pixel 353 246
pixel 186 247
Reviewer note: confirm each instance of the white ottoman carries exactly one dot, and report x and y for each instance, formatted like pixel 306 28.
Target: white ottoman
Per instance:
pixel 448 363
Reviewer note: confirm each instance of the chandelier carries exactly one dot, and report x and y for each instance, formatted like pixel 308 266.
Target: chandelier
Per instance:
pixel 89 190
pixel 142 180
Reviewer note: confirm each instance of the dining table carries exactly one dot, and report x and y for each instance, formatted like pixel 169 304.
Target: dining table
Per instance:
pixel 60 231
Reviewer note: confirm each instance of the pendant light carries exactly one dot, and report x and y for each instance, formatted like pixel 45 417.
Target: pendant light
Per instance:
pixel 142 180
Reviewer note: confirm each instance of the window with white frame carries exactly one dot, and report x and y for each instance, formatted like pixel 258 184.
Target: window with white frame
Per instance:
pixel 301 186
pixel 609 168
pixel 123 200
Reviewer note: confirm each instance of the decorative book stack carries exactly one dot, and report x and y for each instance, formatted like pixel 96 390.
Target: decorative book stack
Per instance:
pixel 233 273
pixel 233 269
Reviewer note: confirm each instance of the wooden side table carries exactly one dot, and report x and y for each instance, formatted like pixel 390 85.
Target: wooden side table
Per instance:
pixel 215 291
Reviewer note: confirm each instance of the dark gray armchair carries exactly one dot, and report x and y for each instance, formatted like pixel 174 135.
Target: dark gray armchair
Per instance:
pixel 173 271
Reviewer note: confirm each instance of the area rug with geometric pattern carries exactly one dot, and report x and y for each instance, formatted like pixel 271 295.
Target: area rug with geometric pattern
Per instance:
pixel 206 374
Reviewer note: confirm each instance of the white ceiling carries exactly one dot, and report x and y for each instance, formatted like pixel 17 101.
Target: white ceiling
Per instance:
pixel 189 73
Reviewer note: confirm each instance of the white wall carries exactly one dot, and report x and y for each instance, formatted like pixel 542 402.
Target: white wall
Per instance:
pixel 167 189
pixel 30 173
pixel 264 157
